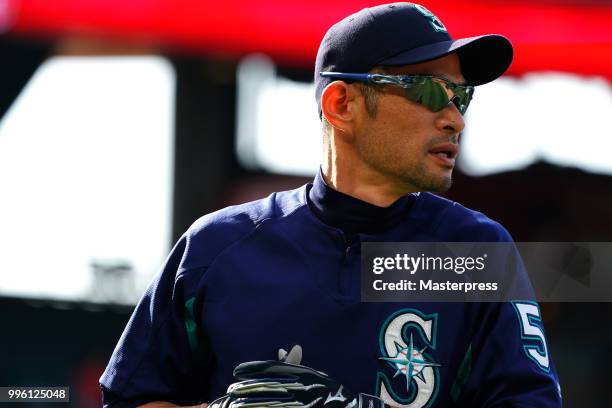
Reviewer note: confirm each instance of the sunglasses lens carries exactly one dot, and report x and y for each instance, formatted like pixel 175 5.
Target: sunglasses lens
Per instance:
pixel 462 98
pixel 435 94
pixel 428 93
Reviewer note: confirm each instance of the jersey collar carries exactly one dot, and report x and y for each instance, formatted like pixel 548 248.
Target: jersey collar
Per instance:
pixel 352 215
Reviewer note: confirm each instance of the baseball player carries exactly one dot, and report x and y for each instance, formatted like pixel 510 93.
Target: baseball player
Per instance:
pixel 392 87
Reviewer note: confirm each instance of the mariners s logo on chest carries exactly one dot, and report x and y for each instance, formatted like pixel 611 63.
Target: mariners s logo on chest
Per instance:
pixel 409 376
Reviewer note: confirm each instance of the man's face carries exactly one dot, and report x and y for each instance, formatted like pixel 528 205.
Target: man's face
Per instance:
pixel 413 148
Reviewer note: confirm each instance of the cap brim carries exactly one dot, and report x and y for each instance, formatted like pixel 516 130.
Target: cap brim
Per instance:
pixel 483 58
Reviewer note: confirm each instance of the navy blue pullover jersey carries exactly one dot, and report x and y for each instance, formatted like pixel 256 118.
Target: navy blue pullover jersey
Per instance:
pixel 247 280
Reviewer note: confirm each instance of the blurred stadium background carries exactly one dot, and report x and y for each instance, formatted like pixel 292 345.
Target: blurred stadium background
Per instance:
pixel 121 122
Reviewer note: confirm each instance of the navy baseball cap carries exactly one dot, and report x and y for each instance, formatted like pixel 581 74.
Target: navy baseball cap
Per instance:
pixel 403 34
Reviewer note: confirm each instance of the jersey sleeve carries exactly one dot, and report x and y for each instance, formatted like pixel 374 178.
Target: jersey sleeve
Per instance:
pixel 160 355
pixel 508 362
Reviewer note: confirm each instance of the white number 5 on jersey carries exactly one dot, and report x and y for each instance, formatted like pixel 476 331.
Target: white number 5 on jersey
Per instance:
pixel 531 330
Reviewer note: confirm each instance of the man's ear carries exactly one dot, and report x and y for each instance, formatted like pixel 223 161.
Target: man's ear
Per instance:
pixel 338 106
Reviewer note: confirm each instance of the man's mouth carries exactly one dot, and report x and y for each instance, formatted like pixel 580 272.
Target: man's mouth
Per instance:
pixel 445 153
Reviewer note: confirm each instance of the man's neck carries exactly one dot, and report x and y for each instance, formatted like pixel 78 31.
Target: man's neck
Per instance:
pixel 359 181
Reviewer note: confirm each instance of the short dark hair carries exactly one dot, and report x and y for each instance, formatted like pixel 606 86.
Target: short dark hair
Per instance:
pixel 370 94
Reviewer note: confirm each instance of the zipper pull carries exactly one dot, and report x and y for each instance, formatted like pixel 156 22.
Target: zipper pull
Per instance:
pixel 350 239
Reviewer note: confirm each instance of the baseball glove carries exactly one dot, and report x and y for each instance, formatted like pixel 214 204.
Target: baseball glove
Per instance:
pixel 276 384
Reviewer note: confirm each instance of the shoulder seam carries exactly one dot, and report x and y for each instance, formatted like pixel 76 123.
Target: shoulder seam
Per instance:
pixel 250 231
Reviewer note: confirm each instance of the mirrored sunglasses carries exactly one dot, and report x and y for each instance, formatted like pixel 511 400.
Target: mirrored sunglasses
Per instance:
pixel 433 92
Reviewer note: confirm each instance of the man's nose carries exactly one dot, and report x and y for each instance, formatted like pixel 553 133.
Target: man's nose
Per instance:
pixel 450 120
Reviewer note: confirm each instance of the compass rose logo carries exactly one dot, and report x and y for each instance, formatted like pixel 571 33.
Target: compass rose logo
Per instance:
pixel 402 336
pixel 410 361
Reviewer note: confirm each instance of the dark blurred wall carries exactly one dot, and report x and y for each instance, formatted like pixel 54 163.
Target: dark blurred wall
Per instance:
pixel 543 202
pixel 204 156
pixel 58 344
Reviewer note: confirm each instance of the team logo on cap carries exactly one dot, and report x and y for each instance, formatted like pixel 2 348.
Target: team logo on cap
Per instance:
pixel 433 20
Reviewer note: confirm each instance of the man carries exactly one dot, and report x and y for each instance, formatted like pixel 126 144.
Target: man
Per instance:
pixel 246 280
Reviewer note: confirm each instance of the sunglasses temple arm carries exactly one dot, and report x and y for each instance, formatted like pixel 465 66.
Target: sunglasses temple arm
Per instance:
pixel 350 77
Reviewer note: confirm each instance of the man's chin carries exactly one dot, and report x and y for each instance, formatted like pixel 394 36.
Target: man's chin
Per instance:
pixel 433 182
pixel 444 188
pixel 436 184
